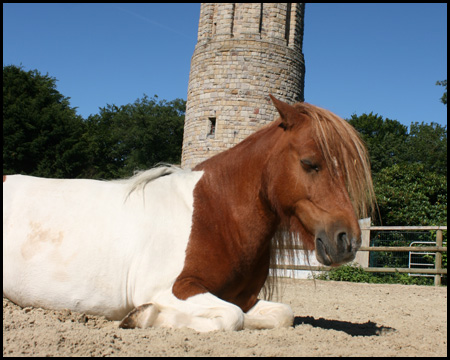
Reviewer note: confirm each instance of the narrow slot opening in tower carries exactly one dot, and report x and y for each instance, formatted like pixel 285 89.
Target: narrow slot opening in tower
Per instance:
pixel 211 127
pixel 288 23
pixel 260 19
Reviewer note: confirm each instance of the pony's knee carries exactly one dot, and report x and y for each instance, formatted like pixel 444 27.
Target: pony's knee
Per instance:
pixel 216 313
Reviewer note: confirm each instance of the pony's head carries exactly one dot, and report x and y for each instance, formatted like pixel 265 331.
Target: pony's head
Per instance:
pixel 318 180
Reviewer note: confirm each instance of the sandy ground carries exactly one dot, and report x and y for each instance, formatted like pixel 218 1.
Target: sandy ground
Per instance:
pixel 332 319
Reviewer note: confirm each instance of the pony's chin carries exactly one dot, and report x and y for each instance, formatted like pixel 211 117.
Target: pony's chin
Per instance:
pixel 325 257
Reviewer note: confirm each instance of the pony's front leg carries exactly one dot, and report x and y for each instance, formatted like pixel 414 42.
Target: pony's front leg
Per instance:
pixel 268 315
pixel 203 312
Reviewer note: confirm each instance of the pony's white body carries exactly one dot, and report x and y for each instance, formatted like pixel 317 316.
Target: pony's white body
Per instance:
pixel 100 248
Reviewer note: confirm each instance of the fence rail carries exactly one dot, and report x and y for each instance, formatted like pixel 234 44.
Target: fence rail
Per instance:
pixel 363 259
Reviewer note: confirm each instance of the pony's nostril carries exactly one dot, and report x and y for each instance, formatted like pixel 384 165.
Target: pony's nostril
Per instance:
pixel 344 241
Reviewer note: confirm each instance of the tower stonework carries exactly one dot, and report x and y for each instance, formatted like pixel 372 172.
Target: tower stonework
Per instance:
pixel 244 52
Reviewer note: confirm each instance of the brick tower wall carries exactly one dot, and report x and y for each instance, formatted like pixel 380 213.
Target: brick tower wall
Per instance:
pixel 245 51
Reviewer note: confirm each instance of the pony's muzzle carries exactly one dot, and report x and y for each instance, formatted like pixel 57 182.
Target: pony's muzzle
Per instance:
pixel 338 251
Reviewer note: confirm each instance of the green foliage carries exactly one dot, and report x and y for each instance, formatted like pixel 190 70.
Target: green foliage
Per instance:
pixel 385 139
pixel 409 169
pixel 134 137
pixel 427 144
pixel 410 194
pixel 389 142
pixel 43 136
pixel 355 273
pixel 444 96
pixel 352 273
pixel 41 132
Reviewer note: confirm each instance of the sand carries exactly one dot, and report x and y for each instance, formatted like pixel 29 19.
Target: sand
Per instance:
pixel 331 319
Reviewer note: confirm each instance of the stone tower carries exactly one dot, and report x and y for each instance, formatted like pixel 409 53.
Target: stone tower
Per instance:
pixel 244 52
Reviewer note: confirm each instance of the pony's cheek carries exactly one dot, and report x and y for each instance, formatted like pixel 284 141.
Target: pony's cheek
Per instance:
pixel 308 215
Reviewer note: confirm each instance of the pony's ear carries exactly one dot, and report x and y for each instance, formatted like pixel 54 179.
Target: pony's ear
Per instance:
pixel 287 112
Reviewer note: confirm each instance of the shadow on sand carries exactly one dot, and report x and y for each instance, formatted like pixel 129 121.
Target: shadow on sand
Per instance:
pixel 354 329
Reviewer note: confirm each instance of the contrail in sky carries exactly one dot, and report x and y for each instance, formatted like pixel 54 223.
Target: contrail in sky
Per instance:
pixel 152 22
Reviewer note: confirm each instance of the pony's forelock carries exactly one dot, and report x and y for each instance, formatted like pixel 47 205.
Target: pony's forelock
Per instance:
pixel 344 151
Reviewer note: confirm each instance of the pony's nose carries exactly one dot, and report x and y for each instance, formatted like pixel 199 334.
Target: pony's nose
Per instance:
pixel 336 250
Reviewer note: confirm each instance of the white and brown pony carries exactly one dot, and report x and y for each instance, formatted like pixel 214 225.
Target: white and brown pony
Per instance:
pixel 181 248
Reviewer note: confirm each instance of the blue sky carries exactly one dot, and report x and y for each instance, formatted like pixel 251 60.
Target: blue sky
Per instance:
pixel 360 58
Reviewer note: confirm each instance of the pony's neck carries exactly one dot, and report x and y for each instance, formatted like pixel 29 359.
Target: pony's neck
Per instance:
pixel 235 175
pixel 232 223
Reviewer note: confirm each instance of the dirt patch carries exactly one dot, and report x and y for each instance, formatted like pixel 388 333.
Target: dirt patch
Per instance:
pixel 332 319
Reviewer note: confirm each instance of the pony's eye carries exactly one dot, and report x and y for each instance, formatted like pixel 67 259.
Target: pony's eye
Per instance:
pixel 308 165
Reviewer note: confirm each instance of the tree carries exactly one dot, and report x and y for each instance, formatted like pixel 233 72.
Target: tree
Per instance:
pixel 43 136
pixel 427 144
pixel 411 194
pixel 135 136
pixel 41 132
pixel 409 169
pixel 389 142
pixel 444 97
pixel 385 139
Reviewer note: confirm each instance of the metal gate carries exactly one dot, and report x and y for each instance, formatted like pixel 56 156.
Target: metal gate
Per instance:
pixel 418 259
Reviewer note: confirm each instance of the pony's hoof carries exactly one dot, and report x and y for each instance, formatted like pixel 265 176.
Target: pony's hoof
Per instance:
pixel 142 317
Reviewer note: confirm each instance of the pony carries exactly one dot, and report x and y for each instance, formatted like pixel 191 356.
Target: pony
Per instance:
pixel 175 247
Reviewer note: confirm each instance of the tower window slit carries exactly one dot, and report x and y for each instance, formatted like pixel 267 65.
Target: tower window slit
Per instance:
pixel 288 23
pixel 261 19
pixel 211 127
